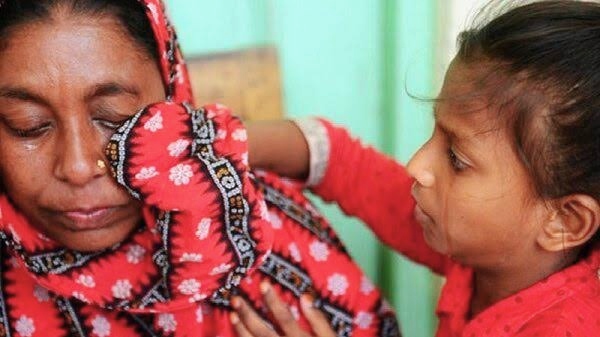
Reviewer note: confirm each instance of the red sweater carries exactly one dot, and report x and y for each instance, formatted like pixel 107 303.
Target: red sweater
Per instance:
pixel 565 304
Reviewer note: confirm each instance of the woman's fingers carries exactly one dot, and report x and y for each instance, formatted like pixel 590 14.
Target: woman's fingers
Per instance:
pixel 315 317
pixel 280 311
pixel 248 323
pixel 239 327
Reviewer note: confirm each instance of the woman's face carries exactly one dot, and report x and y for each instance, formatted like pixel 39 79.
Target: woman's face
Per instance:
pixel 65 85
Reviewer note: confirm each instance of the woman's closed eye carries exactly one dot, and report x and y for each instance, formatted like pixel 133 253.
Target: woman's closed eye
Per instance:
pixel 33 132
pixel 109 119
pixel 456 163
pixel 108 124
pixel 26 129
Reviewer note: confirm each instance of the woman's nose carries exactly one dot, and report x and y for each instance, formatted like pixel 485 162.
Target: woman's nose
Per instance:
pixel 79 152
pixel 420 167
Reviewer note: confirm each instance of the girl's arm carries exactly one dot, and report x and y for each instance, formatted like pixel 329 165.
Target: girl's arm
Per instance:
pixel 364 182
pixel 278 146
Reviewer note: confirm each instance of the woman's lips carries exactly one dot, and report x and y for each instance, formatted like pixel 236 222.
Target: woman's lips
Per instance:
pixel 88 219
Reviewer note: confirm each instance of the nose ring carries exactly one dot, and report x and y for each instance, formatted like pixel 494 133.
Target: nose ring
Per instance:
pixel 101 164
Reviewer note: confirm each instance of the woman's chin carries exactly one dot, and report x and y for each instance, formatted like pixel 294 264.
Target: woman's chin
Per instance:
pixel 92 240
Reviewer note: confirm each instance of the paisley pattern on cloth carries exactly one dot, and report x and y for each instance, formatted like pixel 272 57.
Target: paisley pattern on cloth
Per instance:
pixel 212 228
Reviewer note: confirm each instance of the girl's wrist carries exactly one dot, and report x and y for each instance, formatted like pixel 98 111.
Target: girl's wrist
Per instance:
pixel 315 135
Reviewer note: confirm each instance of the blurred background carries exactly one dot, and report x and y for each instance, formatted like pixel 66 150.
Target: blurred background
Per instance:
pixel 351 61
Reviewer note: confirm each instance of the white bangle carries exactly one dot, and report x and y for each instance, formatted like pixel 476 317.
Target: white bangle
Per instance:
pixel 316 137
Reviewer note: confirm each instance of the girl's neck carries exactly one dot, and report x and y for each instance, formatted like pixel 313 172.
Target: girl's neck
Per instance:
pixel 490 286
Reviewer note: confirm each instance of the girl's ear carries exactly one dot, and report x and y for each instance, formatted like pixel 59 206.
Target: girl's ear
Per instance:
pixel 574 221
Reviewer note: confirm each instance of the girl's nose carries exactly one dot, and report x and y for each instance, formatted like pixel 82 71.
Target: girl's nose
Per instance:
pixel 79 153
pixel 420 167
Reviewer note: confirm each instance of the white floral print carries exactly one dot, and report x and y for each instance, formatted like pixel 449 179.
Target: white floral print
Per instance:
pixel 386 307
pixel 122 289
pixel 25 326
pixel 197 297
pixel 100 326
pixel 180 78
pixel 181 174
pixel 275 220
pixel 190 257
pixel 366 286
pixel 319 251
pixel 155 123
pixel 146 173
pixel 240 135
pixel 295 252
pixel 337 284
pixel 264 211
pixel 14 234
pixel 189 287
pixel 203 228
pixel 43 237
pixel 199 314
pixel 221 134
pixel 41 293
pixel 154 12
pixel 135 254
pixel 86 281
pixel 295 312
pixel 363 320
pixel 14 262
pixel 178 147
pixel 245 158
pixel 80 296
pixel 167 322
pixel 222 268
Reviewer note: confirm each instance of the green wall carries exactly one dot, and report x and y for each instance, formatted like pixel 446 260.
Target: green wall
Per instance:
pixel 350 61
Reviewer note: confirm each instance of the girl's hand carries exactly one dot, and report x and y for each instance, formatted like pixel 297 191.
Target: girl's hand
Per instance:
pixel 247 323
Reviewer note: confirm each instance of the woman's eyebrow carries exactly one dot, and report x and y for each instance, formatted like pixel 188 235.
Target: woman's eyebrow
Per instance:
pixel 22 94
pixel 111 89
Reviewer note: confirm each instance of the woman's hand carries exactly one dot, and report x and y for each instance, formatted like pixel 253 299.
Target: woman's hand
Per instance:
pixel 247 323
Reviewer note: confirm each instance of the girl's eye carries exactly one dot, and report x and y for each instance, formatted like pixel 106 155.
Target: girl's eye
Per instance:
pixel 455 162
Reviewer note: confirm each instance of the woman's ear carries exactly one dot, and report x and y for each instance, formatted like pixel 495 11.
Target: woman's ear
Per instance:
pixel 574 221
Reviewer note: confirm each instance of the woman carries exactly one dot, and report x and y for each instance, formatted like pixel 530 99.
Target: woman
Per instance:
pixel 163 253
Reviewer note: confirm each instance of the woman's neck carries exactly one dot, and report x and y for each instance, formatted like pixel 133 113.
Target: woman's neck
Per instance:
pixel 491 286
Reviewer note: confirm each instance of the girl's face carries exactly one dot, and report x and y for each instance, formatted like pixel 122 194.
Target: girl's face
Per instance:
pixel 64 87
pixel 475 199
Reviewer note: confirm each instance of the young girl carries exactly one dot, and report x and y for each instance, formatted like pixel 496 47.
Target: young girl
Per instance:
pixel 503 199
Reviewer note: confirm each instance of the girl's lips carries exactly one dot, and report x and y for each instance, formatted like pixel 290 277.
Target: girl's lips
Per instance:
pixel 421 216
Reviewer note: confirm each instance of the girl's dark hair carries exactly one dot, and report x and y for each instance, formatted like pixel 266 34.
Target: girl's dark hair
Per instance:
pixel 545 83
pixel 547 63
pixel 129 13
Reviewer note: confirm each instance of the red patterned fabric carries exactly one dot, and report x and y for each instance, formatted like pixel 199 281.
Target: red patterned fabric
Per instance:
pixel 212 228
pixel 565 304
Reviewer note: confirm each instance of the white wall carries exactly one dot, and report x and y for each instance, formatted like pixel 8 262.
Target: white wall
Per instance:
pixel 454 17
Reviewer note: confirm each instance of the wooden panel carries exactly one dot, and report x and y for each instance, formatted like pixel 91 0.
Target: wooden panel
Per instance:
pixel 248 81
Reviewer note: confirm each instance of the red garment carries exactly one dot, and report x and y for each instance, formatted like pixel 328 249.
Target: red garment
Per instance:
pixel 565 304
pixel 211 229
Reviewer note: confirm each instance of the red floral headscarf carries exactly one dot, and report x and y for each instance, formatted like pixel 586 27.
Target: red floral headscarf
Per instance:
pixel 208 233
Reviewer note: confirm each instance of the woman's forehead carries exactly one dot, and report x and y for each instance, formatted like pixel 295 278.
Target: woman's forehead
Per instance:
pixel 74 56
